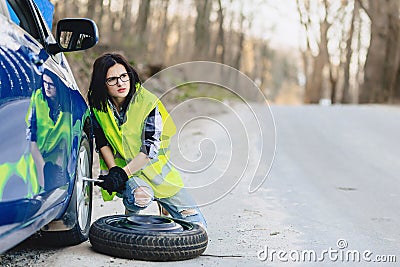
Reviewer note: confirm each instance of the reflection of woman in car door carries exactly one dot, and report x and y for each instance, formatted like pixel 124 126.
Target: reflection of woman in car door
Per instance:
pixel 49 134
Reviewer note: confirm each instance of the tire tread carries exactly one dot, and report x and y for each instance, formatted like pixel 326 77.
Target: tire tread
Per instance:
pixel 137 245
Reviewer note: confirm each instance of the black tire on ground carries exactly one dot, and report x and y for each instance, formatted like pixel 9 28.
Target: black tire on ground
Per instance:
pixel 79 210
pixel 116 236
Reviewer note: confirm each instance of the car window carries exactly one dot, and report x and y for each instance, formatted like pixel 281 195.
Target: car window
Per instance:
pixel 23 17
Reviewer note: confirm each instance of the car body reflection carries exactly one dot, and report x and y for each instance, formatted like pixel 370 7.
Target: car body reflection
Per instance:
pixel 44 122
pixel 49 133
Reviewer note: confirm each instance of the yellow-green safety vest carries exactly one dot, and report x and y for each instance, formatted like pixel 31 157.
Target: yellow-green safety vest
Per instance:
pixel 50 135
pixel 126 142
pixel 24 168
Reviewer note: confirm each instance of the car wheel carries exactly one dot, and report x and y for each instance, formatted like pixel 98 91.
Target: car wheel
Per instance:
pixel 148 237
pixel 80 207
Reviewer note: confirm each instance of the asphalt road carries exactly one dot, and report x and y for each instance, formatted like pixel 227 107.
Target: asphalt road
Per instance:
pixel 332 195
pixel 336 178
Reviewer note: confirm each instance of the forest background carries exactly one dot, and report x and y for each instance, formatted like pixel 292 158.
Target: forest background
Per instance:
pixel 296 51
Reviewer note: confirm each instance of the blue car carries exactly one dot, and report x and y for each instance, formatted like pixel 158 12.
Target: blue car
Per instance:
pixel 45 128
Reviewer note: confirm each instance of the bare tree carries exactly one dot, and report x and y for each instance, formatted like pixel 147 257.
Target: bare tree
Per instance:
pixel 314 65
pixel 238 57
pixel 160 35
pixel 382 63
pixel 140 36
pixel 91 9
pixel 202 26
pixel 321 70
pixel 127 20
pixel 346 98
pixel 219 50
pixel 166 32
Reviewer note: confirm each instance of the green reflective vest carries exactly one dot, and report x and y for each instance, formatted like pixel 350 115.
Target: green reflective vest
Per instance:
pixel 53 139
pixel 23 168
pixel 126 142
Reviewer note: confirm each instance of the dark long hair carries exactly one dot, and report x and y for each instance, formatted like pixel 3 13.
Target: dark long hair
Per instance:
pixel 98 89
pixel 62 92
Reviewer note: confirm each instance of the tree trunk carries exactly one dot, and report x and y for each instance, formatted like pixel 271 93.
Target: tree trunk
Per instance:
pixel 397 84
pixel 238 58
pixel 230 37
pixel 393 49
pixel 219 50
pixel 162 44
pixel 127 21
pixel 314 87
pixel 100 19
pixel 265 66
pixel 140 36
pixel 91 9
pixel 346 98
pixel 202 29
pixel 314 91
pixel 333 78
pixel 107 24
pixel 381 65
pixel 314 70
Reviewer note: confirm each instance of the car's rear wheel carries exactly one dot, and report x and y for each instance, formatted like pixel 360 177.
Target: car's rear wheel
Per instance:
pixel 80 206
pixel 147 237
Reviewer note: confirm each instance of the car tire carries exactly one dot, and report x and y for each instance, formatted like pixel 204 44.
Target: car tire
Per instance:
pixel 148 237
pixel 80 207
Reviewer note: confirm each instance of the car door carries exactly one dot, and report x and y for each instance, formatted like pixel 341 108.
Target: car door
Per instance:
pixel 35 114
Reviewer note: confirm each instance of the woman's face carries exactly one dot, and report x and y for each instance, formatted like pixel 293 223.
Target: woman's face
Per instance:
pixel 49 87
pixel 117 82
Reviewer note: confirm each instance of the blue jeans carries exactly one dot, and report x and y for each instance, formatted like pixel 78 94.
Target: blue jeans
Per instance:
pixel 177 205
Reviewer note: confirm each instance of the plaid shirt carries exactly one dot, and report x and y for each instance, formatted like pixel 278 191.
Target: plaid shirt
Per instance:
pixel 151 131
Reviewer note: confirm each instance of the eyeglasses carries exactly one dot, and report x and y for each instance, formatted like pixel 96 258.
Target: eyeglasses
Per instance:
pixel 111 81
pixel 50 85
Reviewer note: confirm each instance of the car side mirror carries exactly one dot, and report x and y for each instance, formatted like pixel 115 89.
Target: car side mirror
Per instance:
pixel 73 35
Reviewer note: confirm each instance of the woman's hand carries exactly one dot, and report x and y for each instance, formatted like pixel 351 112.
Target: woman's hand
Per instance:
pixel 114 181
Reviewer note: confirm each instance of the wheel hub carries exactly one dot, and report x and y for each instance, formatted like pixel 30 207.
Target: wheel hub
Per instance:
pixel 151 223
